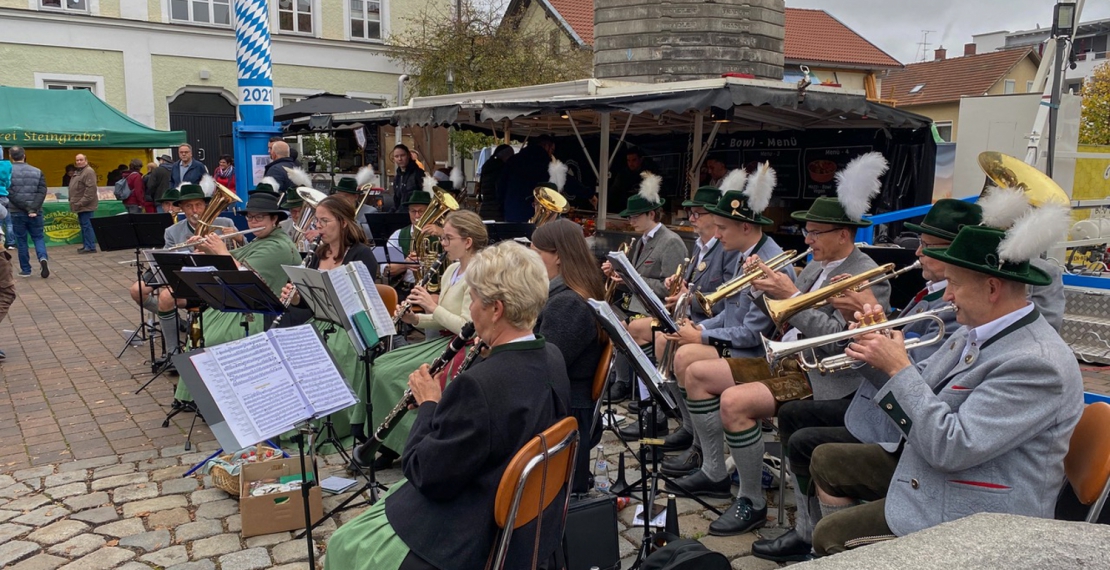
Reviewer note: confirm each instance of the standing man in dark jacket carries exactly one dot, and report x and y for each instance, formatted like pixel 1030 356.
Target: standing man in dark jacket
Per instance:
pixel 83 201
pixel 279 161
pixel 408 178
pixel 492 171
pixel 136 203
pixel 157 180
pixel 186 170
pixel 523 173
pixel 25 196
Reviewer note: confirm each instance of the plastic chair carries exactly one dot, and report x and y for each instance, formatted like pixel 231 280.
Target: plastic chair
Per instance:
pixel 389 297
pixel 534 478
pixel 1087 464
pixel 602 372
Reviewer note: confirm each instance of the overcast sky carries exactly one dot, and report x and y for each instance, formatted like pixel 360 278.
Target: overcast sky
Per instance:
pixel 896 25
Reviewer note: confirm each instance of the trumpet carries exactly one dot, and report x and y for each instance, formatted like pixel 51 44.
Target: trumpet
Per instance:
pixel 187 245
pixel 611 286
pixel 364 452
pixel 406 306
pixel 741 282
pixel 782 310
pixel 681 310
pixel 805 350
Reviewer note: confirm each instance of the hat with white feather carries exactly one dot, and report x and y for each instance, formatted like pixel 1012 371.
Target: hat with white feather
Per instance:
pixel 856 186
pixel 744 197
pixel 647 198
pixel 556 176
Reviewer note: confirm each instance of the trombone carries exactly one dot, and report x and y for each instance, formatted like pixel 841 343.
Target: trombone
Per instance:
pixel 783 310
pixel 741 282
pixel 312 198
pixel 805 350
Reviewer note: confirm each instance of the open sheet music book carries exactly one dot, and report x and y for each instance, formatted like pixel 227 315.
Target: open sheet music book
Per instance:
pixel 643 292
pixel 347 296
pixel 623 342
pixel 267 383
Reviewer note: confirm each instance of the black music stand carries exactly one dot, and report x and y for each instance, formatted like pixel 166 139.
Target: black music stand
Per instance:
pixel 383 225
pixel 501 231
pixel 138 232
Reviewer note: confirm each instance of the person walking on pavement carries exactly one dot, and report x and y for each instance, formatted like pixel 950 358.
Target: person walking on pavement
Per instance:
pixel 83 201
pixel 25 197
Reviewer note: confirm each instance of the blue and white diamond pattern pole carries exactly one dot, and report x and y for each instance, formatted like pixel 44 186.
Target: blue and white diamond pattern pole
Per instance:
pixel 256 90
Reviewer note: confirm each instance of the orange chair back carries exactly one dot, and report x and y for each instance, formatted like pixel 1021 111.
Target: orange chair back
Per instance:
pixel 528 462
pixel 1087 464
pixel 602 371
pixel 389 297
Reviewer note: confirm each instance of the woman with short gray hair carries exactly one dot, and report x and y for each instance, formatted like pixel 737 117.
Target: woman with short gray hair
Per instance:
pixel 510 274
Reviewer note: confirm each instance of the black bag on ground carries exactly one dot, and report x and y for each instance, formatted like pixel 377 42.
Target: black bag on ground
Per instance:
pixel 683 554
pixel 590 536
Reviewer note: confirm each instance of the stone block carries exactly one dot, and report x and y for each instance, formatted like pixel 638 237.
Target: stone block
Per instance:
pixel 753 563
pixel 42 515
pixel 136 492
pixel 40 562
pixel 167 473
pixel 15 550
pixel 167 557
pixel 33 473
pixel 89 463
pixel 266 539
pixel 290 551
pixel 175 486
pixel 147 541
pixel 6 515
pixel 65 478
pixel 138 455
pixel 208 496
pixel 98 515
pixel 63 491
pixel 196 530
pixel 14 491
pixel 198 565
pixel 88 501
pixel 122 528
pixel 139 508
pixel 216 509
pixel 78 546
pixel 6 480
pixel 60 531
pixel 9 531
pixel 249 559
pixel 114 470
pixel 118 481
pixel 28 503
pixel 234 523
pixel 103 559
pixel 215 546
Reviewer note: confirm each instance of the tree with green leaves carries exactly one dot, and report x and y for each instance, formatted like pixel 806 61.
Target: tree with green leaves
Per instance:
pixel 480 51
pixel 1094 124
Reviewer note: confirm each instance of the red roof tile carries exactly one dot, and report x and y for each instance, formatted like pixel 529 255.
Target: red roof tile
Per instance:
pixel 949 79
pixel 814 36
pixel 579 14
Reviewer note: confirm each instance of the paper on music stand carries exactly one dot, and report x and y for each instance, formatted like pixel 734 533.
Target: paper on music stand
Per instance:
pixel 320 380
pixel 314 289
pixel 347 296
pixel 376 309
pixel 394 255
pixel 643 292
pixel 623 341
pixel 155 269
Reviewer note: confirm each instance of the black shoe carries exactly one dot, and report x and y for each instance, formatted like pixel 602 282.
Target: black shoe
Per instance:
pixel 685 464
pixel 787 548
pixel 83 250
pixel 631 432
pixel 45 269
pixel 353 469
pixel 385 459
pixel 619 391
pixel 2 355
pixel 699 485
pixel 635 405
pixel 679 440
pixel 741 517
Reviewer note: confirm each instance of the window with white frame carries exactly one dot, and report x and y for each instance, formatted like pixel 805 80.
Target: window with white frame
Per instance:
pixel 66 5
pixel 1029 86
pixel 295 16
pixel 201 11
pixel 69 86
pixel 944 129
pixel 1009 87
pixel 366 20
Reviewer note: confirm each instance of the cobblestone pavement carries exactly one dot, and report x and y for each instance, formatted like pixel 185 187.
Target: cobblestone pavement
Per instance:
pixel 89 478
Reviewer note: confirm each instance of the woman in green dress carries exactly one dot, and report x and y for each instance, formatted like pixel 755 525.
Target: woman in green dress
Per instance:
pixel 464 234
pixel 270 249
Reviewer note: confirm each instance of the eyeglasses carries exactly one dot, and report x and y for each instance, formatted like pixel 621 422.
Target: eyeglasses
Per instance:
pixel 322 222
pixel 257 217
pixel 694 215
pixel 816 234
pixel 448 238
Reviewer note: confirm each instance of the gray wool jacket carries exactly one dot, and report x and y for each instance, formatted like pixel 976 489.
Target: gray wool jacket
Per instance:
pixel 657 260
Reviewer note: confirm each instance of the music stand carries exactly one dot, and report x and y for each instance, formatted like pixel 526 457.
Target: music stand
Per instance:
pixel 138 232
pixel 382 225
pixel 643 292
pixel 501 231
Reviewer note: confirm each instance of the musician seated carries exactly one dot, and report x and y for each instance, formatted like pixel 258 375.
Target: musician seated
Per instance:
pixel 729 397
pixel 293 202
pixel 569 324
pixel 464 235
pixel 463 437
pixel 264 255
pixel 986 421
pixel 192 200
pixel 347 190
pixel 806 424
pixel 401 274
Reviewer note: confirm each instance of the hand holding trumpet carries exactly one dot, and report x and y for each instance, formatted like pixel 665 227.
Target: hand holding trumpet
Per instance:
pixel 885 350
pixel 773 284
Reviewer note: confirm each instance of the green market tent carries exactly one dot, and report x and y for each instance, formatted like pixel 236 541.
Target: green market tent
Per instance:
pixel 48 118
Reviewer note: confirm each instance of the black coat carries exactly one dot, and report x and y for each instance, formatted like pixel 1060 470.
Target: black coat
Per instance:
pixel 405 182
pixel 492 171
pixel 157 181
pixel 300 314
pixel 276 170
pixel 569 323
pixel 27 189
pixel 524 171
pixel 459 448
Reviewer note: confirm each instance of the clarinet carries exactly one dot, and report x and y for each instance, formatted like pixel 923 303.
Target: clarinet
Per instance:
pixel 406 306
pixel 364 452
pixel 307 259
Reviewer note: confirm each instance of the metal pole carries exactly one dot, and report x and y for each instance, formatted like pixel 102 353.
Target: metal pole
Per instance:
pixel 1054 106
pixel 603 173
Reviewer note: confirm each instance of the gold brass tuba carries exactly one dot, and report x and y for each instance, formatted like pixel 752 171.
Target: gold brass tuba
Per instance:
pixel 741 282
pixel 549 205
pixel 782 310
pixel 611 286
pixel 222 197
pixel 312 198
pixel 1008 172
pixel 426 252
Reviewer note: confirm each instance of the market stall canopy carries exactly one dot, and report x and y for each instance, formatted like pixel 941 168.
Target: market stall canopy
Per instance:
pixel 48 118
pixel 321 104
pixel 739 104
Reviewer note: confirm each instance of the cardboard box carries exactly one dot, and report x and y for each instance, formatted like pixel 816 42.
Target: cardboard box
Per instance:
pixel 278 512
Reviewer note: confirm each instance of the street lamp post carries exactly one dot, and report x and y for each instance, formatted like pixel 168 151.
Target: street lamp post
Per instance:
pixel 1063 25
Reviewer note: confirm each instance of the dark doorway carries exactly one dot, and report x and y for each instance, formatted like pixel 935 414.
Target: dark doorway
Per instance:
pixel 206 119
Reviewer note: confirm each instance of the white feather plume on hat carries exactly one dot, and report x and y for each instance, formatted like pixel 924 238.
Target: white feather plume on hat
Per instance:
pixel 208 184
pixel 364 176
pixel 734 180
pixel 1003 206
pixel 1034 232
pixel 429 184
pixel 457 180
pixel 557 174
pixel 649 187
pixel 859 182
pixel 271 181
pixel 760 186
pixel 299 178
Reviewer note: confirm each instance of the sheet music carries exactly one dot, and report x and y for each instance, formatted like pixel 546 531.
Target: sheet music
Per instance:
pixel 622 340
pixel 232 410
pixel 350 303
pixel 312 285
pixel 395 255
pixel 642 291
pixel 313 369
pixel 376 309
pixel 262 384
pixel 155 269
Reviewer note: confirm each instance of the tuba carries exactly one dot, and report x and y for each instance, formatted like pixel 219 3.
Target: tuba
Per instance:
pixel 312 198
pixel 783 310
pixel 1005 171
pixel 426 252
pixel 222 197
pixel 741 282
pixel 549 205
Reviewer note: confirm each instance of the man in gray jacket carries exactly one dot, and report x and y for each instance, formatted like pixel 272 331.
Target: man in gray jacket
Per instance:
pixel 985 421
pixel 25 197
